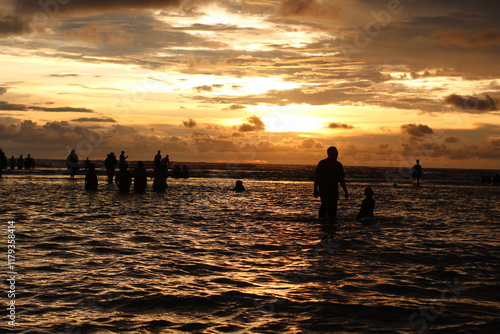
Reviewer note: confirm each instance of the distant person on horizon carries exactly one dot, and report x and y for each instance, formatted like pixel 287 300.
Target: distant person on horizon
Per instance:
pixel 329 173
pixel 29 162
pixel 140 178
pixel 167 162
pixel 3 162
pixel 12 163
pixel 239 187
pixel 185 172
pixel 91 178
pixel 157 161
pixel 87 164
pixel 122 160
pixel 416 172
pixel 110 164
pixel 176 173
pixel 72 163
pixel 367 205
pixel 160 178
pixel 20 162
pixel 123 178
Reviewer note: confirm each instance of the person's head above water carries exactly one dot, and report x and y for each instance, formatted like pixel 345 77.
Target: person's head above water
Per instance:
pixel 368 192
pixel 332 152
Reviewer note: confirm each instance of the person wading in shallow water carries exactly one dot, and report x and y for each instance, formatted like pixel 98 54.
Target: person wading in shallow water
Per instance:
pixel 416 172
pixel 329 173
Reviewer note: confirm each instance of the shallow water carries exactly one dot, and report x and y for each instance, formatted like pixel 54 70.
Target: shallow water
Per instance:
pixel 203 259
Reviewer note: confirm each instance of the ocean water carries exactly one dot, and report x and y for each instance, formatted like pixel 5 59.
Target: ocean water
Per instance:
pixel 201 258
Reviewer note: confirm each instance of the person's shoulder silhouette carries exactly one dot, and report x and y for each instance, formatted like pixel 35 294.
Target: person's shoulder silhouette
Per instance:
pixel 368 205
pixel 239 187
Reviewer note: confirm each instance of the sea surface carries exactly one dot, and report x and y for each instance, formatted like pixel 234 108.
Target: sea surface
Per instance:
pixel 201 258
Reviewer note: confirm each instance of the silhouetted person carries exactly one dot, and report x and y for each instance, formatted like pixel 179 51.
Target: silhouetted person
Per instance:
pixel 3 162
pixel 91 178
pixel 123 178
pixel 29 162
pixel 185 172
pixel 167 162
pixel 416 172
pixel 12 163
pixel 20 162
pixel 160 178
pixel 176 172
pixel 239 187
pixel 87 164
pixel 329 173
pixel 122 159
pixel 72 163
pixel 140 178
pixel 367 205
pixel 157 161
pixel 110 164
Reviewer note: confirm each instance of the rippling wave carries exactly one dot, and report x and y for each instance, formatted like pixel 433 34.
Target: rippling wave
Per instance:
pixel 203 259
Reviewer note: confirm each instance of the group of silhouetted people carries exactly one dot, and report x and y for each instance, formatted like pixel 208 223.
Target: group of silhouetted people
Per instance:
pixel 123 178
pixel 26 163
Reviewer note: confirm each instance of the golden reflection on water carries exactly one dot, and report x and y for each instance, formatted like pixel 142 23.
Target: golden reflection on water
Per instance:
pixel 205 257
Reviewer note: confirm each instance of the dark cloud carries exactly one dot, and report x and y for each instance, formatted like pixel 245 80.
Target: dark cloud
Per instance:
pixel 472 104
pixel 11 25
pixel 335 125
pixel 64 75
pixel 190 123
pixel 419 130
pixel 234 107
pixel 452 140
pixel 253 123
pixel 61 109
pixel 307 8
pixel 94 119
pixel 4 105
pixel 207 88
pixel 459 37
pixel 3 90
pixel 53 7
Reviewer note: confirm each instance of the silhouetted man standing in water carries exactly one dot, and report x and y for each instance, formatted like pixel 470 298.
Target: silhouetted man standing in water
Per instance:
pixel 416 172
pixel 329 173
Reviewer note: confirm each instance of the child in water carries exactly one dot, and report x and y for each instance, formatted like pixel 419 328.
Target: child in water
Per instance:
pixel 239 187
pixel 367 205
pixel 91 178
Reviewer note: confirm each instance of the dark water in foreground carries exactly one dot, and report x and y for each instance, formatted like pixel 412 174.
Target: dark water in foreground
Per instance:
pixel 203 259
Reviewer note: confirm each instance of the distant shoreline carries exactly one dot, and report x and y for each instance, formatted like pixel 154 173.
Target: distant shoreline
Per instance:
pixel 61 163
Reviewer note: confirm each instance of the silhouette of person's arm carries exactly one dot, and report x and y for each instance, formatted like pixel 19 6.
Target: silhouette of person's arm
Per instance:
pixel 344 187
pixel 316 187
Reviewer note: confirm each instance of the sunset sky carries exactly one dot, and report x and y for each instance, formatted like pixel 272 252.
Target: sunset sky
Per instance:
pixel 274 81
